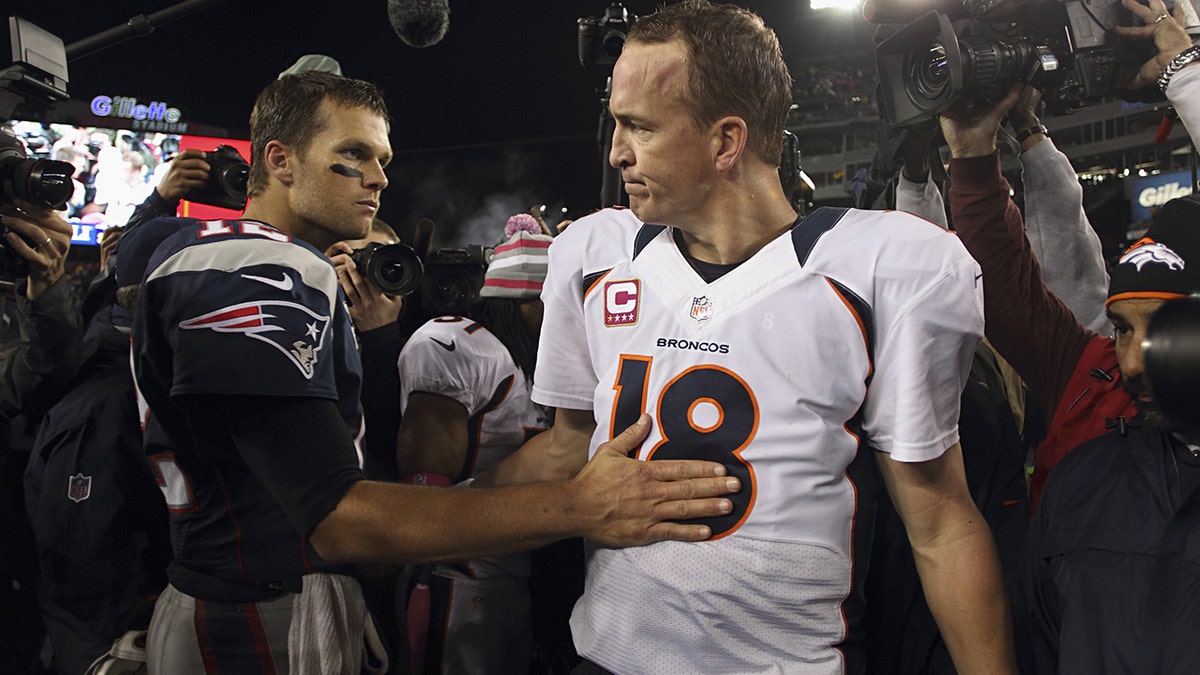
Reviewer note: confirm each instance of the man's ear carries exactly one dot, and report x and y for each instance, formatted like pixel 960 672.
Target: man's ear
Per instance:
pixel 730 141
pixel 279 160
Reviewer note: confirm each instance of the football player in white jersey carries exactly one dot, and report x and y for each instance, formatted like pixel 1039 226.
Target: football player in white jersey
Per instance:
pixel 464 396
pixel 791 350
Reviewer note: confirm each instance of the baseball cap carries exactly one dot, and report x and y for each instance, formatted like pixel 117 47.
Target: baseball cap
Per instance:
pixel 319 62
pixel 1165 263
pixel 518 266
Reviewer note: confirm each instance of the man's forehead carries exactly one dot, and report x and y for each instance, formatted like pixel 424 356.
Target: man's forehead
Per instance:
pixel 354 123
pixel 1133 308
pixel 660 67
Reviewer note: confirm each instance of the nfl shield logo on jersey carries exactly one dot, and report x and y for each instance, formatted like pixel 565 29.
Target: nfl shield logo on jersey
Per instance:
pixel 79 487
pixel 702 308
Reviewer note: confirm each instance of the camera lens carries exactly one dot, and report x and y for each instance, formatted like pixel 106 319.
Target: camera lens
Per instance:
pixel 613 43
pixel 929 72
pixel 43 182
pixel 451 290
pixel 233 179
pixel 395 269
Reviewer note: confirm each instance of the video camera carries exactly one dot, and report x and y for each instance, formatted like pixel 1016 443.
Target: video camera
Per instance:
pixel 1065 48
pixel 42 182
pixel 601 38
pixel 227 175
pixel 449 279
pixel 1172 361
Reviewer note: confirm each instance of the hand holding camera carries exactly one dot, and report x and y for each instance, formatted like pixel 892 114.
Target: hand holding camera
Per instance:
pixel 39 237
pixel 1168 34
pixel 225 183
pixel 370 306
pixel 187 172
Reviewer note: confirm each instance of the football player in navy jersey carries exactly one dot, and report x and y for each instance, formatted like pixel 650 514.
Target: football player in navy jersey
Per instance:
pixel 800 352
pixel 245 358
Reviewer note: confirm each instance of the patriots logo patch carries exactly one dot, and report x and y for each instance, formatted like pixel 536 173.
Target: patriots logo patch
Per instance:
pixel 293 329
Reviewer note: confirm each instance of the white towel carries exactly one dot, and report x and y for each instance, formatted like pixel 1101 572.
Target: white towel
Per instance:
pixel 331 632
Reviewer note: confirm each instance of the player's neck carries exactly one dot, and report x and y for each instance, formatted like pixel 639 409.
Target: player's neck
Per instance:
pixel 271 208
pixel 734 229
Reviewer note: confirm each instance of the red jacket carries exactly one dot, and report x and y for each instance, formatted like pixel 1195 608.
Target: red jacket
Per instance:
pixel 1028 325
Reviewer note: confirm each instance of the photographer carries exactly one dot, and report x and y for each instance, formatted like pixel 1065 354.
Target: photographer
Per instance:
pixel 1102 590
pixel 102 557
pixel 375 315
pixel 39 350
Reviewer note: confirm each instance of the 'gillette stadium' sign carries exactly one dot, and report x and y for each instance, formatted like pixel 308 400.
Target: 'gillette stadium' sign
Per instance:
pixel 1153 191
pixel 153 116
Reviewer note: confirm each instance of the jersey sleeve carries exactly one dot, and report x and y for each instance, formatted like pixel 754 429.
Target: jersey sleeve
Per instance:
pixel 564 377
pixel 244 315
pixel 929 324
pixel 442 358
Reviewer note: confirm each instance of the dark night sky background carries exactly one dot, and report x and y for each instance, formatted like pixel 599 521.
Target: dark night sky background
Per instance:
pixel 495 118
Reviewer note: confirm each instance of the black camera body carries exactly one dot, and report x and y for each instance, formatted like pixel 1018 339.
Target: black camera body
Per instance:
pixel 601 38
pixel 227 175
pixel 448 279
pixel 1172 362
pixel 42 182
pixel 1065 48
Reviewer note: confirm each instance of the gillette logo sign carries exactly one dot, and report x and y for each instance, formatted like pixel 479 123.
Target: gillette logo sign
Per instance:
pixel 1157 196
pixel 129 108
pixel 1149 193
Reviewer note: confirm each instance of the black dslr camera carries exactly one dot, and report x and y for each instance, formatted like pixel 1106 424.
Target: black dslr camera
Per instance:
pixel 601 38
pixel 227 174
pixel 42 182
pixel 448 279
pixel 1065 48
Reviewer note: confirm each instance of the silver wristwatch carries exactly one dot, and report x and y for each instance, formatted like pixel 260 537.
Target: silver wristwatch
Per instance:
pixel 1181 59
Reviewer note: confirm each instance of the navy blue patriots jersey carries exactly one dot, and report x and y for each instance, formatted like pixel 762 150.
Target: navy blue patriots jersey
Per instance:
pixel 240 308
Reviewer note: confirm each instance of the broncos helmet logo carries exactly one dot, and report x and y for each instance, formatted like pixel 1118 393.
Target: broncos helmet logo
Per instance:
pixel 293 329
pixel 1149 251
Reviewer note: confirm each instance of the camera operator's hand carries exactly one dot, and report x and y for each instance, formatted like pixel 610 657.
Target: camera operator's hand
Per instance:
pixel 370 307
pixel 187 172
pixel 52 239
pixel 1024 116
pixel 970 130
pixel 1168 35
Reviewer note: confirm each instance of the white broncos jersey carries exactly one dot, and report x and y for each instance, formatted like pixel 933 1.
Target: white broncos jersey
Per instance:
pixel 853 330
pixel 459 359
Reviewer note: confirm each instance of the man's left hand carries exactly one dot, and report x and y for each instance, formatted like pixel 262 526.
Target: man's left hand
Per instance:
pixel 51 239
pixel 370 307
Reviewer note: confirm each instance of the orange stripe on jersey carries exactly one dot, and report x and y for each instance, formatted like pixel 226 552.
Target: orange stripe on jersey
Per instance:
pixel 592 281
pixel 862 325
pixel 640 371
pixel 475 427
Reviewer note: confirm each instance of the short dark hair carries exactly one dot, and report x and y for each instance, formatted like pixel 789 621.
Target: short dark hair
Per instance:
pixel 734 64
pixel 286 111
pixel 502 317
